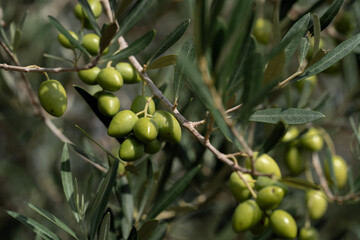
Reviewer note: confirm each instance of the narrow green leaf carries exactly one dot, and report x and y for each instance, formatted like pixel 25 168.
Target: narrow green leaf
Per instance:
pixel 17 39
pixel 54 57
pixel 127 202
pixel 160 231
pixel 335 55
pixel 299 183
pixel 200 32
pixel 53 219
pixel 317 30
pixel 133 234
pixel 288 116
pixel 108 33
pixel 329 15
pixel 170 40
pixel 90 15
pixel 105 227
pixel 122 6
pixel 134 16
pixel 66 33
pixel 34 226
pixel 275 67
pixel 304 48
pixel 147 229
pixel 135 47
pixel 102 198
pixel 173 193
pixel 187 52
pixel 5 38
pixel 162 62
pixel 145 189
pixel 67 181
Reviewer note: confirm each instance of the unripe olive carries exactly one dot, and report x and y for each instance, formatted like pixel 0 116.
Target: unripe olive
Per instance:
pixel 283 224
pixel 293 160
pixel 261 226
pixel 308 234
pixel 109 79
pixel 169 127
pixel 340 171
pixel 265 164
pixel 344 23
pixel 95 6
pixel 139 103
pixel 238 187
pixel 122 124
pixel 310 52
pixel 108 104
pixel 153 147
pixel 312 80
pixel 145 129
pixel 91 42
pixel 246 215
pixel 131 149
pixel 53 97
pixel 316 204
pixel 270 197
pixel 65 42
pixel 128 72
pixel 312 140
pixel 121 166
pixel 263 182
pixel 290 134
pixel 88 76
pixel 262 30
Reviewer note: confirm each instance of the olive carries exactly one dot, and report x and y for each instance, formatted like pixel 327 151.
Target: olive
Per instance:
pixel 153 147
pixel 131 149
pixel 311 81
pixel 88 76
pixel 122 124
pixel 247 214
pixel 265 164
pixel 139 103
pixel 145 129
pixel 109 79
pixel 65 42
pixel 95 6
pixel 293 160
pixel 262 30
pixel 52 97
pixel 108 104
pixel 91 42
pixel 169 127
pixel 238 187
pixel 316 203
pixel 312 140
pixel 290 134
pixel 340 171
pixel 270 197
pixel 309 233
pixel 128 72
pixel 283 224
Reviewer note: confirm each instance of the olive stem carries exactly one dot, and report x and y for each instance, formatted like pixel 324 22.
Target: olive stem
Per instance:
pixel 253 193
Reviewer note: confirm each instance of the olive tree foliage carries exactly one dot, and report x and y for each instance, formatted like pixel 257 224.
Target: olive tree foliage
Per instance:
pixel 265 93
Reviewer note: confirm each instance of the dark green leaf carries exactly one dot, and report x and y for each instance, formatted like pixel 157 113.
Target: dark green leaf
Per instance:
pixel 92 102
pixel 145 189
pixel 133 234
pixel 335 55
pixel 126 198
pixel 160 232
pixel 304 48
pixel 90 15
pixel 67 181
pixel 329 15
pixel 170 39
pixel 34 226
pixel 162 62
pixel 187 52
pixel 105 227
pixel 200 31
pixel 275 67
pixel 53 219
pixel 299 183
pixel 273 139
pixel 135 47
pixel 173 193
pixel 134 16
pixel 102 198
pixel 122 6
pixel 108 33
pixel 17 39
pixel 288 115
pixel 66 33
pixel 147 229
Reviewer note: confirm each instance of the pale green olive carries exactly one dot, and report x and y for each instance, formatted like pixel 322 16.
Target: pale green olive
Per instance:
pixel 246 215
pixel 88 76
pixel 262 30
pixel 52 97
pixel 312 140
pixel 270 197
pixel 122 123
pixel 308 234
pixel 109 79
pixel 108 104
pixel 65 42
pixel 128 72
pixel 139 104
pixel 238 188
pixel 145 129
pixel 131 149
pixel 290 134
pixel 264 164
pixel 283 224
pixel 316 204
pixel 169 127
pixel 293 160
pixel 340 171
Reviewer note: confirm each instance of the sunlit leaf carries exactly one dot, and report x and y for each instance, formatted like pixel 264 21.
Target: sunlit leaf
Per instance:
pixel 299 183
pixel 147 229
pixel 162 62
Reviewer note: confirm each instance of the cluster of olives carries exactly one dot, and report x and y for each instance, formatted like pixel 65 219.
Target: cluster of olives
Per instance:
pixel 261 213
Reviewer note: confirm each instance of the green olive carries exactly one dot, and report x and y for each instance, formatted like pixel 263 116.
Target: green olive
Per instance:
pixel 153 147
pixel 261 226
pixel 109 79
pixel 290 134
pixel 340 171
pixel 311 81
pixel 145 129
pixel 65 42
pixel 265 164
pixel 78 11
pixel 128 72
pixel 139 103
pixel 238 187
pixel 52 97
pixel 169 127
pixel 131 149
pixel 108 104
pixel 312 140
pixel 246 215
pixel 88 76
pixel 308 234
pixel 95 6
pixel 122 124
pixel 262 30
pixel 310 53
pixel 270 197
pixel 91 42
pixel 316 203
pixel 283 224
pixel 293 160
pixel 344 23
pixel 263 182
